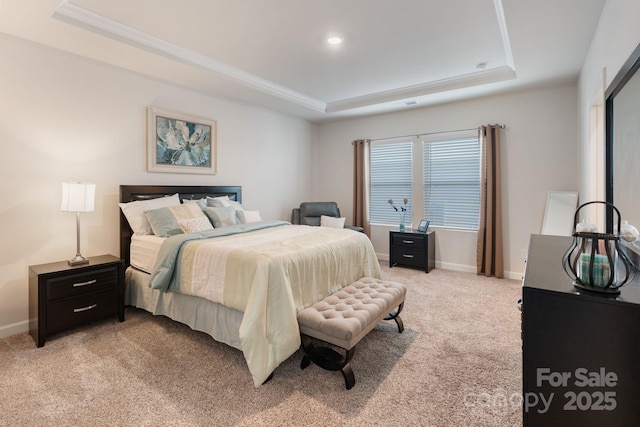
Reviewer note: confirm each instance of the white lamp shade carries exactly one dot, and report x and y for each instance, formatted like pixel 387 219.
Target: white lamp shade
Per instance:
pixel 77 197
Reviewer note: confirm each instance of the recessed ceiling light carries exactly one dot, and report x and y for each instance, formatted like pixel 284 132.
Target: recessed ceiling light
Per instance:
pixel 335 40
pixel 481 65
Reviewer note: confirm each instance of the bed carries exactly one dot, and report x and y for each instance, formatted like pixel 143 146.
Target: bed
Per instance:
pixel 241 284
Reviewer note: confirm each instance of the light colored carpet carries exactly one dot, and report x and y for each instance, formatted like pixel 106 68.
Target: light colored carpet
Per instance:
pixel 458 363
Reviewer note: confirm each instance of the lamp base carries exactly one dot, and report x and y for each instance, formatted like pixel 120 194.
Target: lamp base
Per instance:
pixel 78 260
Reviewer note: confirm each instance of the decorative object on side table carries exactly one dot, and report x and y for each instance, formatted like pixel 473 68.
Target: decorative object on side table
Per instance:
pixel 77 197
pixel 595 260
pixel 402 210
pixel 423 226
pixel 628 232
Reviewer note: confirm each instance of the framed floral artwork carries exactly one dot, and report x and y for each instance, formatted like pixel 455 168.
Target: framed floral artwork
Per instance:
pixel 179 143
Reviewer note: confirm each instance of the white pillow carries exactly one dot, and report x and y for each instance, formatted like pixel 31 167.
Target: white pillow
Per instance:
pixel 195 224
pixel 330 221
pixel 246 217
pixel 134 212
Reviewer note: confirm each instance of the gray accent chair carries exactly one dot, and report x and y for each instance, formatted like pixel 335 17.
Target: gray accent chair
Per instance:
pixel 309 213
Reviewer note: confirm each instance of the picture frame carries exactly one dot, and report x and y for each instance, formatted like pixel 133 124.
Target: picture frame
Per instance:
pixel 423 226
pixel 180 143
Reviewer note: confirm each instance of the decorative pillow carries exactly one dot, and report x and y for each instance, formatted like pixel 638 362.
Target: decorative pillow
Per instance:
pixel 164 221
pixel 330 221
pixel 216 199
pixel 195 224
pixel 201 202
pixel 246 217
pixel 224 201
pixel 134 212
pixel 222 216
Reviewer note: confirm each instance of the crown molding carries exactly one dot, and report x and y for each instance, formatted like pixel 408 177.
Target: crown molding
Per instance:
pixel 467 80
pixel 101 25
pixel 98 24
pixel 504 33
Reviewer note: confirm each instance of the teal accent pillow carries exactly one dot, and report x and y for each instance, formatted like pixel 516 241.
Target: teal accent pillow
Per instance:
pixel 165 221
pixel 224 201
pixel 222 216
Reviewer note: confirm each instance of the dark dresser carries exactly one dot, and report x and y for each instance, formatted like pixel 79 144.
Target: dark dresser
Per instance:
pixel 580 351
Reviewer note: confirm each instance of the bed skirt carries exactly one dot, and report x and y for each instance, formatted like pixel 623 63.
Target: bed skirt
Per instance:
pixel 220 322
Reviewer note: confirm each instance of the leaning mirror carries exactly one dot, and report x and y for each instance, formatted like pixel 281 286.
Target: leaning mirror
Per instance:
pixel 559 213
pixel 622 156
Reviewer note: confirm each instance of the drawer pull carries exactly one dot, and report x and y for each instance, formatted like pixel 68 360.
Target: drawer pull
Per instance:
pixel 89 307
pixel 408 241
pixel 407 255
pixel 88 282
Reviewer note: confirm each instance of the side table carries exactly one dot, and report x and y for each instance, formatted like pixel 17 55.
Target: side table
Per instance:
pixel 63 296
pixel 413 249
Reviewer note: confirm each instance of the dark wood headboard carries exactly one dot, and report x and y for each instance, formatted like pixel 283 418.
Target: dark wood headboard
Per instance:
pixel 132 193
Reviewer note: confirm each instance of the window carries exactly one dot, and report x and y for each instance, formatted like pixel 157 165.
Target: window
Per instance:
pixel 391 173
pixel 446 189
pixel 451 182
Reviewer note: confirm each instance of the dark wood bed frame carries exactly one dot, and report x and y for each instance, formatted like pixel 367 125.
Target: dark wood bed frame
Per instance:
pixel 131 193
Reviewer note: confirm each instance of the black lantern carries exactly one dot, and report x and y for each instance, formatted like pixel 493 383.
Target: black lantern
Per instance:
pixel 595 261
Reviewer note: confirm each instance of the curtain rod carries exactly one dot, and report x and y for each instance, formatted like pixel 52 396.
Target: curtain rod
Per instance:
pixel 427 134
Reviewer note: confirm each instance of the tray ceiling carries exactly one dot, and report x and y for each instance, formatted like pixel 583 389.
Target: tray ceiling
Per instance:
pixel 395 55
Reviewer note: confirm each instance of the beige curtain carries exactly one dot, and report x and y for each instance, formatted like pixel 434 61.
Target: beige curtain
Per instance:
pixel 489 259
pixel 361 184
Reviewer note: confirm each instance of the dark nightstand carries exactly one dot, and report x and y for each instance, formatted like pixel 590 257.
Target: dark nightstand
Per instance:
pixel 62 296
pixel 412 249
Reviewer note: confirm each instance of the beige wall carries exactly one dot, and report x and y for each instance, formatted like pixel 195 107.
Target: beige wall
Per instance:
pixel 65 118
pixel 538 155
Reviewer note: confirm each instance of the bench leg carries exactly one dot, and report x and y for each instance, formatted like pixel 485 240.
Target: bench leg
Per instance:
pixel 349 378
pixel 329 359
pixel 395 315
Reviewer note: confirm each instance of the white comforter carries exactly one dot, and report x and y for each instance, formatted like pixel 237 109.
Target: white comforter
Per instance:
pixel 269 274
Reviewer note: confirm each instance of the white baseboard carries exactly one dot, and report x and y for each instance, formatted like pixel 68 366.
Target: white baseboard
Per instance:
pixel 14 329
pixel 458 267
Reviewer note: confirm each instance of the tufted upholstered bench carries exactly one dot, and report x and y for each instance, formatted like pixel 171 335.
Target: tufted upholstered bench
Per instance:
pixel 344 318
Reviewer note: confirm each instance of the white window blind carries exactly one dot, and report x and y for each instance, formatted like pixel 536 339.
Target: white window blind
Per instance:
pixel 451 179
pixel 391 175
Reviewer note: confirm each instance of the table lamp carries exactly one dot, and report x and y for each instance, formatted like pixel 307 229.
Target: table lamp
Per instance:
pixel 77 197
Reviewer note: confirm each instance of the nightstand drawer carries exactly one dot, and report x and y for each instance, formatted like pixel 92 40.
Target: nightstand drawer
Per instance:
pixel 81 283
pixel 409 257
pixel 408 240
pixel 69 312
